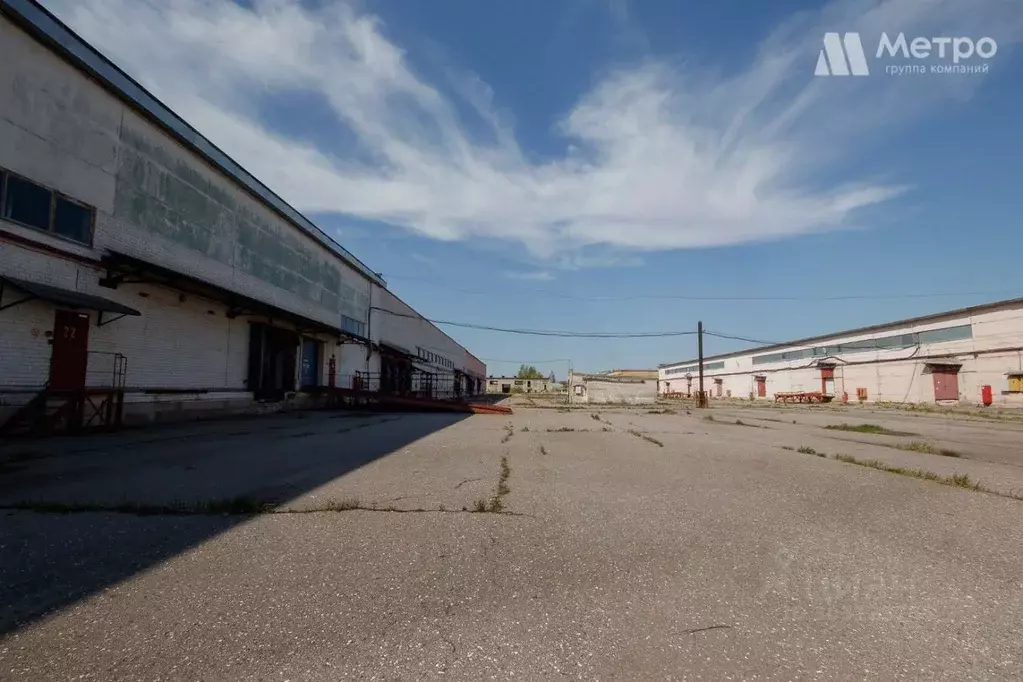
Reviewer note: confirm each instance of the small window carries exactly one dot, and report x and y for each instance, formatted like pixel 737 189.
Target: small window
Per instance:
pixel 27 203
pixel 1016 383
pixel 72 220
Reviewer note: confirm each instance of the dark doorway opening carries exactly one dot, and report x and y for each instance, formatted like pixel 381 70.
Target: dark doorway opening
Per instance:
pixel 272 359
pixel 310 372
pixel 395 375
pixel 69 358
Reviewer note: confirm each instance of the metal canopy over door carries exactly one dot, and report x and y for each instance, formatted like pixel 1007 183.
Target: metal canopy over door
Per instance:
pixel 69 358
pixel 946 382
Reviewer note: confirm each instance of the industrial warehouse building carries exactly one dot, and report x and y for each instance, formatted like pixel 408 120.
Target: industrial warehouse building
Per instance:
pixel 136 255
pixel 954 357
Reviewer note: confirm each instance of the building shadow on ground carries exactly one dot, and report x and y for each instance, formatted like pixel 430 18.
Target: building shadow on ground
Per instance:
pixel 55 549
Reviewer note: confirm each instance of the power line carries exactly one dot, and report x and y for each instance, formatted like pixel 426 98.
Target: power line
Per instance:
pixel 740 338
pixel 528 362
pixel 544 332
pixel 565 334
pixel 684 297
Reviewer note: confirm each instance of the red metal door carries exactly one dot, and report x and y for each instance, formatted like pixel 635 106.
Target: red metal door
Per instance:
pixel 69 357
pixel 828 380
pixel 761 387
pixel 946 384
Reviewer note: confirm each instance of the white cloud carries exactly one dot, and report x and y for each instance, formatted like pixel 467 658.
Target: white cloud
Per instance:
pixel 662 157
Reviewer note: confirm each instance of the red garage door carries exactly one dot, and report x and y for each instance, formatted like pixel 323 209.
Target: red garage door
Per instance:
pixel 946 383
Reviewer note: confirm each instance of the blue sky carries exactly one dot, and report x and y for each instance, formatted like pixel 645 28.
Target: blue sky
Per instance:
pixel 547 164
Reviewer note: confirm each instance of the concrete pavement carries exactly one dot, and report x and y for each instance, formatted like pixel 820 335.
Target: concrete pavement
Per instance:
pixel 637 546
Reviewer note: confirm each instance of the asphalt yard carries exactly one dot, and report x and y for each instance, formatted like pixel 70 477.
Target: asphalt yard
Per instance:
pixel 592 543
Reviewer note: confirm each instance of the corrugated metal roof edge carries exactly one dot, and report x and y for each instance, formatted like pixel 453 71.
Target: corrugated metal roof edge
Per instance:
pixel 970 310
pixel 38 21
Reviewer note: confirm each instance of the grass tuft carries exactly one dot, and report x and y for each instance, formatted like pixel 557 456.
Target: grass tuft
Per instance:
pixel 563 429
pixel 543 450
pixel 787 447
pixel 595 417
pixel 806 450
pixel 524 429
pixel 346 504
pixel 709 418
pixel 867 428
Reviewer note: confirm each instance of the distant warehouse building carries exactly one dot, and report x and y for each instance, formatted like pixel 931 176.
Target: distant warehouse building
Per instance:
pixel 517 385
pixel 944 358
pixel 609 389
pixel 138 262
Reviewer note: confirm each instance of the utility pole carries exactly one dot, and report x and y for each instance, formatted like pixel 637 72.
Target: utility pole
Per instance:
pixel 702 400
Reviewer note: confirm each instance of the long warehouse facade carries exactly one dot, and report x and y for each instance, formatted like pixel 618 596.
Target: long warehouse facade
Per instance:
pixel 945 358
pixel 135 253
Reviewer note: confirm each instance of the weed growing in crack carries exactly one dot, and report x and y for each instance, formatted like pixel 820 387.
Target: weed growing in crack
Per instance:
pixel 647 438
pixel 495 504
pixel 524 429
pixel 563 429
pixel 787 447
pixel 928 449
pixel 867 428
pixel 595 417
pixel 241 505
pixel 502 487
pixel 956 480
pixel 807 450
pixel 543 450
pixel 708 418
pixel 346 504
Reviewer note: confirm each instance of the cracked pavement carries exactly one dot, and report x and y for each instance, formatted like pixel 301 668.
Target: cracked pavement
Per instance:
pixel 716 555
